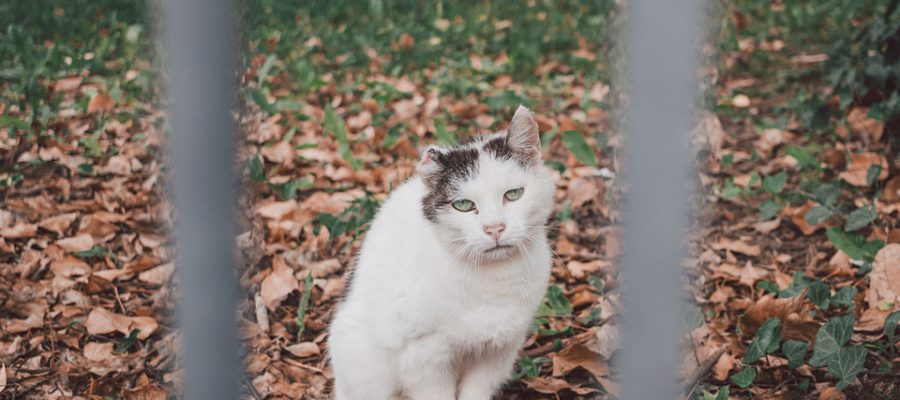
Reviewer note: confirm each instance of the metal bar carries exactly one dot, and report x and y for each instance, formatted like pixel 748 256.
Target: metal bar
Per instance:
pixel 659 68
pixel 200 42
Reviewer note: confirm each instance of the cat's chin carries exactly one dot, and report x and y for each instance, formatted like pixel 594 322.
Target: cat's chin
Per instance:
pixel 499 253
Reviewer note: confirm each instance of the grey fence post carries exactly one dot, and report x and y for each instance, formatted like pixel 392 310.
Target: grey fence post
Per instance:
pixel 200 41
pixel 659 68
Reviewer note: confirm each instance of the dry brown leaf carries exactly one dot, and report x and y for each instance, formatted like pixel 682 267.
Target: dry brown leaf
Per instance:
pixel 723 366
pixel 870 128
pixel 871 320
pixel 831 393
pixel 70 266
pixel 555 385
pixel 20 230
pixel 159 275
pixel 578 355
pixel 583 190
pixel 101 102
pixel 766 227
pixel 709 134
pixel 768 307
pixel 884 280
pixel 798 218
pixel 304 349
pixel 607 340
pixel 83 242
pixel 97 351
pixel 859 167
pixel 280 283
pixel 892 190
pixel 747 276
pixel 579 269
pixel 277 210
pixel 58 223
pixel 737 246
pixel 100 321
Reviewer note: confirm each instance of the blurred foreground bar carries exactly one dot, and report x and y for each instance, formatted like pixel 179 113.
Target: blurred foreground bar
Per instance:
pixel 659 68
pixel 200 46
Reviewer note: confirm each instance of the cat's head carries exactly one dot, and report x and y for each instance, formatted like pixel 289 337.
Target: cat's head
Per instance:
pixel 489 198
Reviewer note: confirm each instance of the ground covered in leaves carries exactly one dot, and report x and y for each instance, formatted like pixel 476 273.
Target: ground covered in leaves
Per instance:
pixel 793 275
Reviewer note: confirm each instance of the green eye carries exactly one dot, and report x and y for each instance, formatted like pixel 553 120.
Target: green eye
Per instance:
pixel 463 205
pixel 513 194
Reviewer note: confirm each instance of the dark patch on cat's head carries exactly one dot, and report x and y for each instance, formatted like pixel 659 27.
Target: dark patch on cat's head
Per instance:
pixel 450 167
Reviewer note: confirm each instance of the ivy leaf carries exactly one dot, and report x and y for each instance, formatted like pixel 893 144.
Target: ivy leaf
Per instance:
pixel 127 341
pixel 830 338
pixel 691 317
pixel 761 345
pixel 303 306
pixel 890 326
pixel 854 245
pixel 872 174
pixel 805 158
pixel 844 296
pixel 859 218
pixel 819 294
pixel 558 301
pixel 744 378
pixel 818 214
pixel 775 183
pixel 798 284
pixel 769 210
pixel 846 364
pixel 574 141
pixel 795 351
pixel 255 168
pixel 768 286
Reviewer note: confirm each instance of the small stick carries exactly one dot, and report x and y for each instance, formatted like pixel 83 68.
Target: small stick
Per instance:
pixel 702 370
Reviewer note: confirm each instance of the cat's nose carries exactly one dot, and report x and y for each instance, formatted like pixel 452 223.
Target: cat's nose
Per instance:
pixel 494 230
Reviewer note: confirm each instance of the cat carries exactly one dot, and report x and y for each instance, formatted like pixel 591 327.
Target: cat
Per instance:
pixel 450 275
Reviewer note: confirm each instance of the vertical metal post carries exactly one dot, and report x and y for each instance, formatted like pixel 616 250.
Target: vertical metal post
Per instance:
pixel 200 42
pixel 660 60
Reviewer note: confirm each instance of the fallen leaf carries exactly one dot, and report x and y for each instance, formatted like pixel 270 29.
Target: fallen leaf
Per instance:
pixel 70 266
pixel 159 275
pixel 83 242
pixel 578 355
pixel 859 168
pixel 737 246
pixel 277 210
pixel 884 280
pixel 58 223
pixel 861 123
pixel 20 230
pixel 304 349
pixel 583 190
pixel 766 227
pixel 100 321
pixel 101 102
pixel 280 283
pixel 97 351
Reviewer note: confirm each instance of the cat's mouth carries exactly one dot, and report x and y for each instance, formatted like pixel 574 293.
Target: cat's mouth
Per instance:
pixel 497 248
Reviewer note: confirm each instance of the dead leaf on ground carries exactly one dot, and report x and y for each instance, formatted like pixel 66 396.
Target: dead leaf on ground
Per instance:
pixel 101 102
pixel 83 242
pixel 578 355
pixel 884 280
pixel 280 283
pixel 859 167
pixel 97 351
pixel 737 246
pixel 100 321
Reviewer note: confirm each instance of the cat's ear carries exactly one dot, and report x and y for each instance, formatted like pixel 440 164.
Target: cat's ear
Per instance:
pixel 522 135
pixel 428 164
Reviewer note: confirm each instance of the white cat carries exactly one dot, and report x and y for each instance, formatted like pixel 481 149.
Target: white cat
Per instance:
pixel 451 273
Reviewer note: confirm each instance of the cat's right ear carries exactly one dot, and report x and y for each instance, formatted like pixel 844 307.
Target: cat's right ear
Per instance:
pixel 428 164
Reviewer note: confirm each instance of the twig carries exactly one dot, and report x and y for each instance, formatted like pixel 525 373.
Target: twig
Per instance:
pixel 702 370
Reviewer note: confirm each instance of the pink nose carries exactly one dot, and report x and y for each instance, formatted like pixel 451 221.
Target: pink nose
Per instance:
pixel 494 230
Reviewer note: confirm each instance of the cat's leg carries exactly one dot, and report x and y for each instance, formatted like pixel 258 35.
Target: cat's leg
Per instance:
pixel 485 374
pixel 427 372
pixel 362 370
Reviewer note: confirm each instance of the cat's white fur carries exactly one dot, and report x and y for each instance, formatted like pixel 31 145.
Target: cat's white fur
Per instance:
pixel 431 316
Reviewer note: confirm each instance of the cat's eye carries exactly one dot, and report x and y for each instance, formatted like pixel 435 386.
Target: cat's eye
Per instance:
pixel 513 194
pixel 463 205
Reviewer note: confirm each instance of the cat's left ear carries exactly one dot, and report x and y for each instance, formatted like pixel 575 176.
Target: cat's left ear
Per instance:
pixel 522 135
pixel 428 164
